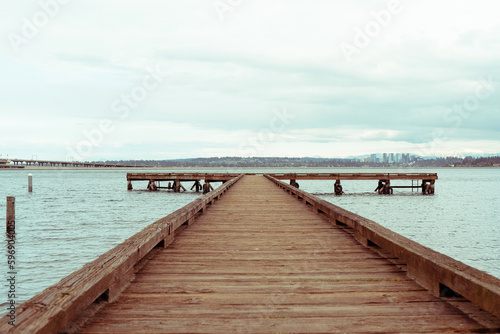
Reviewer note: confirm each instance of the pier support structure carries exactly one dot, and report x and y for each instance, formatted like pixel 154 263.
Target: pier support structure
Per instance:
pixel 207 187
pixel 428 187
pixel 197 185
pixel 338 188
pixel 152 186
pixel 384 187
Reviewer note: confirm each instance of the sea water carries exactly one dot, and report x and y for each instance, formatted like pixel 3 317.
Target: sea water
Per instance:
pixel 73 216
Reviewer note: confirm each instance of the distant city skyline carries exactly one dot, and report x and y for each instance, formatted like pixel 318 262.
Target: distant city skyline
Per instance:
pixel 384 158
pixel 183 79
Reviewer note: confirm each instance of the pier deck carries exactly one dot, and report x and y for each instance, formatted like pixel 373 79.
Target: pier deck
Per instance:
pixel 259 261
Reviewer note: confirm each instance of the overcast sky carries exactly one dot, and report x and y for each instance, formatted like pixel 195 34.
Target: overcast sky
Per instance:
pixel 165 79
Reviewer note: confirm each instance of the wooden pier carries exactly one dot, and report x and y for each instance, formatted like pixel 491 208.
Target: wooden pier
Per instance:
pixel 21 163
pixel 258 255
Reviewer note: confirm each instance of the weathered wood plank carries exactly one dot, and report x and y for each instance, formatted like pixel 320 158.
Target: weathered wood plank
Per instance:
pixel 276 322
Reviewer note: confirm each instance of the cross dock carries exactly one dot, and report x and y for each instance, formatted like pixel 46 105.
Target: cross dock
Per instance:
pixel 426 180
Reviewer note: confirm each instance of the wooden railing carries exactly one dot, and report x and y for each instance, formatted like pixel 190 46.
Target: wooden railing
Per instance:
pixel 103 279
pixel 438 273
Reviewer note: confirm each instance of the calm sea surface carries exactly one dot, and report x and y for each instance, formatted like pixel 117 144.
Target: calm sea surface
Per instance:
pixel 73 216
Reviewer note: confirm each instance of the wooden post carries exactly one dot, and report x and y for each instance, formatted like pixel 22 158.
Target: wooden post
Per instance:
pixel 30 183
pixel 388 188
pixel 152 186
pixel 129 187
pixel 424 186
pixel 338 188
pixel 11 215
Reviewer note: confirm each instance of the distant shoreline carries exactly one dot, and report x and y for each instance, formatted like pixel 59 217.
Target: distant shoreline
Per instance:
pixel 30 168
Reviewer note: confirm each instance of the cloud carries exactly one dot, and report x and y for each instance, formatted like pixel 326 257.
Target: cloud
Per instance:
pixel 222 79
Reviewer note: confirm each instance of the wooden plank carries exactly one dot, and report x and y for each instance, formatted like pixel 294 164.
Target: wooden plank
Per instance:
pixel 276 322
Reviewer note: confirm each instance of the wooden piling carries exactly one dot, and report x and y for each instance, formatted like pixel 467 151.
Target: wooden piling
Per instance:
pixel 198 186
pixel 424 187
pixel 11 215
pixel 129 187
pixel 152 185
pixel 30 183
pixel 338 188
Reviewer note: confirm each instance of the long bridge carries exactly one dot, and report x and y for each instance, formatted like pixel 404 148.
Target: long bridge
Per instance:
pixel 21 163
pixel 258 255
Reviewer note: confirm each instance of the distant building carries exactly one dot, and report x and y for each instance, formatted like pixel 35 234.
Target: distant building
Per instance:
pixel 373 158
pixel 399 158
pixel 385 158
pixel 391 158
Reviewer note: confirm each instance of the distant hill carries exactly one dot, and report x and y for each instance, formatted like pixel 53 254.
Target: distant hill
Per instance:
pixel 362 161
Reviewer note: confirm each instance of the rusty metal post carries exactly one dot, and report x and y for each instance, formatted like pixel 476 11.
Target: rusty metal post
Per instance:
pixel 11 214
